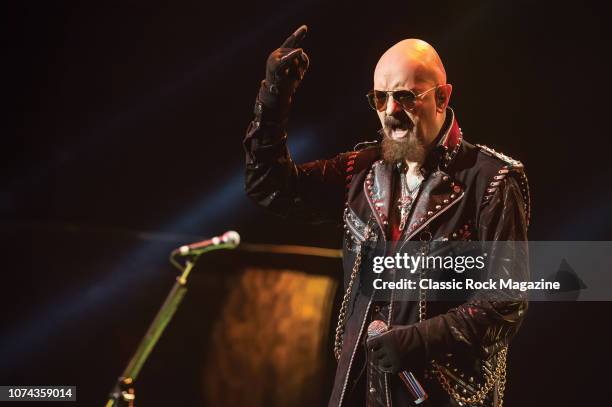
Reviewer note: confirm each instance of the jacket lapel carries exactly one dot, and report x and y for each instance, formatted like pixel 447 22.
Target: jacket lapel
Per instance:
pixel 378 191
pixel 438 193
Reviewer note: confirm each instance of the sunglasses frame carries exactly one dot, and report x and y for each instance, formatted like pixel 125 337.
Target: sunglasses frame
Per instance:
pixel 370 97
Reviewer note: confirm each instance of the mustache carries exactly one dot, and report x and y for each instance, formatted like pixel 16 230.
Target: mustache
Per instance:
pixel 392 121
pixel 395 121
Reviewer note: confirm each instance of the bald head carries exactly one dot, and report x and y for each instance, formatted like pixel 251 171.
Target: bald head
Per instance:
pixel 408 64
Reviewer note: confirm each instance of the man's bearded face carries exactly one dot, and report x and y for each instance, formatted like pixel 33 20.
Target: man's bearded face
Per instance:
pixel 401 140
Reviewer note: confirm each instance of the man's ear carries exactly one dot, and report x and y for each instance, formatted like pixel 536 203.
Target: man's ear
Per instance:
pixel 443 94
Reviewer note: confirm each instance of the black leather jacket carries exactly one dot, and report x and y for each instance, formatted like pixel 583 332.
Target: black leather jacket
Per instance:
pixel 469 193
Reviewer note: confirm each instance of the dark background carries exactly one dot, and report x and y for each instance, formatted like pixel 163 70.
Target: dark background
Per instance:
pixel 122 139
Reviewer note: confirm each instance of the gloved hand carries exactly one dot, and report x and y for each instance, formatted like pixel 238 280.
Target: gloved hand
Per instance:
pixel 285 69
pixel 286 66
pixel 398 349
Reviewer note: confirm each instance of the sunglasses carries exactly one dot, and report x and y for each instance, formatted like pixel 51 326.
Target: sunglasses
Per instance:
pixel 405 98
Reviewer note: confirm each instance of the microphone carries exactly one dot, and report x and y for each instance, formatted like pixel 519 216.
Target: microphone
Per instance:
pixel 228 240
pixel 378 327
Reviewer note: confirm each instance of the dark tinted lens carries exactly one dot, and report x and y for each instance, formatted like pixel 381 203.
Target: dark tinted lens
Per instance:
pixel 380 100
pixel 405 98
pixel 377 99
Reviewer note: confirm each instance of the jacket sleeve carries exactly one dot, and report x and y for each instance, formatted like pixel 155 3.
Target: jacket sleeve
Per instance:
pixel 313 192
pixel 483 324
pixel 491 319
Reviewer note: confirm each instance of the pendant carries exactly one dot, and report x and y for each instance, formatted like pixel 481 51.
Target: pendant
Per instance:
pixel 405 203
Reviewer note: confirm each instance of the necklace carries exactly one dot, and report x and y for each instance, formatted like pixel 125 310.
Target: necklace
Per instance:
pixel 408 195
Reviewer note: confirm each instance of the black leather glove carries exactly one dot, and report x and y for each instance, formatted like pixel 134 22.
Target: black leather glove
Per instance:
pixel 392 351
pixel 285 69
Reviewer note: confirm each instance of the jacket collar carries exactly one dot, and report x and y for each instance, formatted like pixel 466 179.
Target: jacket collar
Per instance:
pixel 446 144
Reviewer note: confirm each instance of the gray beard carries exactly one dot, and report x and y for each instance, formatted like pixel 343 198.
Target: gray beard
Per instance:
pixel 412 149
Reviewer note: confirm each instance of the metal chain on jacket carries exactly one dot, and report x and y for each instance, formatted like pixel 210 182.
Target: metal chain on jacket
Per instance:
pixel 338 341
pixel 498 376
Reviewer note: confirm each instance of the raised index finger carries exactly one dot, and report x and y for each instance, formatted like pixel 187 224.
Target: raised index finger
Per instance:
pixel 295 38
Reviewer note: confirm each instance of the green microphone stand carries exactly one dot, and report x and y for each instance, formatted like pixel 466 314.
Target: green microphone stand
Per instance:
pixel 123 394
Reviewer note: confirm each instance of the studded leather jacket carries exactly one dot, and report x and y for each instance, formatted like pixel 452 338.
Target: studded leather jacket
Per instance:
pixel 469 192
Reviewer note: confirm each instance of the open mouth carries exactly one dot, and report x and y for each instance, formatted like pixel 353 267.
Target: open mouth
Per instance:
pixel 398 134
pixel 398 129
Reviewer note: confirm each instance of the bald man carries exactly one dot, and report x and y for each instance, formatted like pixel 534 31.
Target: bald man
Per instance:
pixel 420 186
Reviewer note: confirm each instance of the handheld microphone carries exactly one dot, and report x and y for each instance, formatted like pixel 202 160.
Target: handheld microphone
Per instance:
pixel 378 327
pixel 228 240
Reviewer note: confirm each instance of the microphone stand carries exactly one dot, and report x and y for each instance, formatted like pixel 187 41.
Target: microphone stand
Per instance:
pixel 123 393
